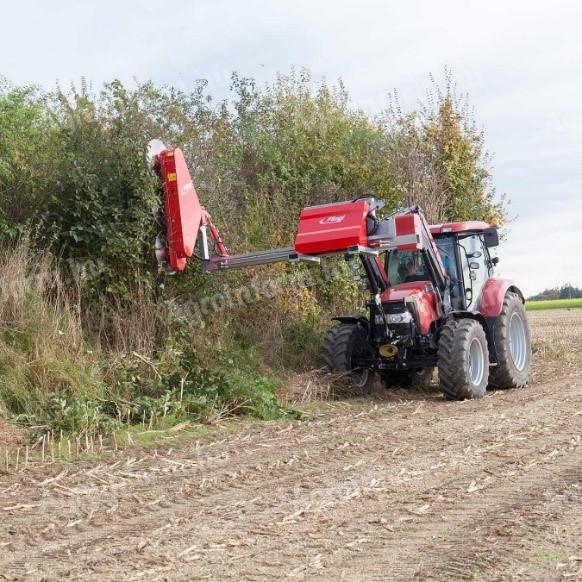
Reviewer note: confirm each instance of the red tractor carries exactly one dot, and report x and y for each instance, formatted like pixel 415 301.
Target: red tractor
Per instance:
pixel 434 300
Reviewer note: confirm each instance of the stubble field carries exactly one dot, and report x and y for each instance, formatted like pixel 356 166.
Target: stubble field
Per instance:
pixel 400 485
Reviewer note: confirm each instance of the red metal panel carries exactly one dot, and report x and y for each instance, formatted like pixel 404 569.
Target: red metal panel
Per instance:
pixel 332 227
pixel 405 224
pixel 493 295
pixel 408 225
pixel 182 208
pixel 466 226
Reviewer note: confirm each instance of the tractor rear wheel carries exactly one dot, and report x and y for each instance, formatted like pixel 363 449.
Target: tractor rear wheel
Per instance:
pixel 463 360
pixel 343 347
pixel 513 344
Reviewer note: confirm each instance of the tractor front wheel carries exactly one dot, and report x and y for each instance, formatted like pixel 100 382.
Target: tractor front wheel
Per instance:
pixel 463 360
pixel 344 348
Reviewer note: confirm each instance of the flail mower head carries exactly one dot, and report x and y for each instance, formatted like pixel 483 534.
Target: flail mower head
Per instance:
pixel 181 217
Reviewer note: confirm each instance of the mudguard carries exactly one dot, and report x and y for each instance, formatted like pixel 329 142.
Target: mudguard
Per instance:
pixel 493 295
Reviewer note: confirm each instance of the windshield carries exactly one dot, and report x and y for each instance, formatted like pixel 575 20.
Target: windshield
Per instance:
pixel 446 247
pixel 406 267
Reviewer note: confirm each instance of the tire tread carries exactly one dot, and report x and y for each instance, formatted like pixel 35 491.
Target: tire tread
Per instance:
pixel 453 361
pixel 335 355
pixel 505 375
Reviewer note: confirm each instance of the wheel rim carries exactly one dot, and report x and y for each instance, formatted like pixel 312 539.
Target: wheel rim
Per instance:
pixel 476 362
pixel 360 377
pixel 517 341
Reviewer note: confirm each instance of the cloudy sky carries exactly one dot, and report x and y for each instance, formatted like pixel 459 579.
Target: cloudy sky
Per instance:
pixel 520 62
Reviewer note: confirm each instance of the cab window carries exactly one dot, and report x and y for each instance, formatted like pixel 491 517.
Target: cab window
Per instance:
pixel 405 267
pixel 447 246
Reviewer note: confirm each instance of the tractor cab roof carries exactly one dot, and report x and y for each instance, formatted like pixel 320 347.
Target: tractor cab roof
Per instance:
pixel 459 227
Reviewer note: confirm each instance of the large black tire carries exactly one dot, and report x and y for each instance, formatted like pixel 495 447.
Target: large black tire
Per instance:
pixel 513 344
pixel 341 345
pixel 463 360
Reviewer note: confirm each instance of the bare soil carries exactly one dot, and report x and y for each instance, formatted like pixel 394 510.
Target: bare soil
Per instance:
pixel 397 486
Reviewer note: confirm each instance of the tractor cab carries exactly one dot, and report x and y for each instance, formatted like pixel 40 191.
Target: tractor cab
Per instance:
pixel 405 267
pixel 464 248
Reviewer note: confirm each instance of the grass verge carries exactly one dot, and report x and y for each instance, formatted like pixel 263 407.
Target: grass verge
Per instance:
pixel 553 304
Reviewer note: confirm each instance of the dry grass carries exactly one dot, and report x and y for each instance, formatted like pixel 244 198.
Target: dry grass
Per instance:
pixel 33 298
pixel 556 335
pixel 44 319
pixel 33 293
pixel 308 387
pixel 78 362
pixel 42 349
pixel 125 328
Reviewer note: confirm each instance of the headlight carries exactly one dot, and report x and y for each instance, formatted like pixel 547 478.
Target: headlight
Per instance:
pixel 404 317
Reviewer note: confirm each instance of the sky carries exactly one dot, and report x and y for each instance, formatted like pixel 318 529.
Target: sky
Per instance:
pixel 520 63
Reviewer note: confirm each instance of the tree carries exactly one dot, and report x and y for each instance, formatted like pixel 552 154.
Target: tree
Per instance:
pixel 28 150
pixel 439 157
pixel 298 143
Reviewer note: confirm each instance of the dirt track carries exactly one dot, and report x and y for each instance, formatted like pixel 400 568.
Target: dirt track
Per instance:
pixel 403 486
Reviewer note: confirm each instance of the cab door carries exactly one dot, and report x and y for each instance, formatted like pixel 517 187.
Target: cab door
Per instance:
pixel 449 251
pixel 475 268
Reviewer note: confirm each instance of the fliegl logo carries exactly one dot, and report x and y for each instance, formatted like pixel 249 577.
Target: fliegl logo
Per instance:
pixel 332 219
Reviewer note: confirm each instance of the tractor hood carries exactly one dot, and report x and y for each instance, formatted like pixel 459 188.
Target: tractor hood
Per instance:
pixel 423 295
pixel 403 290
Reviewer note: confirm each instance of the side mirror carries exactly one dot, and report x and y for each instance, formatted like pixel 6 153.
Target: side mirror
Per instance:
pixel 491 236
pixel 473 265
pixel 474 255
